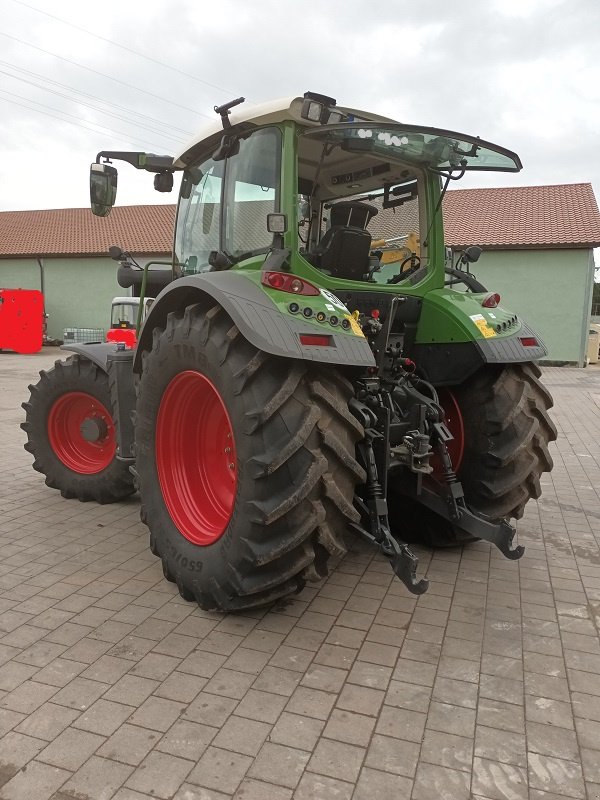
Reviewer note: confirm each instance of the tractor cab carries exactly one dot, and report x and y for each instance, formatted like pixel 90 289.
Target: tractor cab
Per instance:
pixel 124 317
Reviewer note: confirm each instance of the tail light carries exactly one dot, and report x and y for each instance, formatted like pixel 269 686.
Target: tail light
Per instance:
pixel 284 282
pixel 491 301
pixel 315 340
pixel 528 341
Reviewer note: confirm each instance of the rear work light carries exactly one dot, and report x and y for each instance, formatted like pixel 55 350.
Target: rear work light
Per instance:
pixel 528 341
pixel 284 282
pixel 491 301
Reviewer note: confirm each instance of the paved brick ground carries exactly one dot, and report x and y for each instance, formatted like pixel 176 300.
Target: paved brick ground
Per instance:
pixel 487 686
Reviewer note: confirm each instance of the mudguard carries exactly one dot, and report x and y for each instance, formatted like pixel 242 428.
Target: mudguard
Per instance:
pixel 97 352
pixel 258 319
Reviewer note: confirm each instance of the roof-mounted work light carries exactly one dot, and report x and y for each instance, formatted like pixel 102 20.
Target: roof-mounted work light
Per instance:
pixel 317 107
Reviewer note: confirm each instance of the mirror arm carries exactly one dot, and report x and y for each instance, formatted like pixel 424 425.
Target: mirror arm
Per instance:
pixel 147 161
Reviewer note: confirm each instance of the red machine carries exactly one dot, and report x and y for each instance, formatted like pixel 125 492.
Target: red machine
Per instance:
pixel 22 320
pixel 123 319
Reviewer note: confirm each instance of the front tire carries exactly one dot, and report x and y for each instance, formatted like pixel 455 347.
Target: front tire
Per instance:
pixel 245 462
pixel 71 433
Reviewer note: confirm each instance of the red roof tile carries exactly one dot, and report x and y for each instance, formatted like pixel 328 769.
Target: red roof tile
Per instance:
pixel 144 230
pixel 564 215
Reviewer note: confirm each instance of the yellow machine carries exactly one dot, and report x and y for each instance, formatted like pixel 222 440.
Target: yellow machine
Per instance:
pixel 398 248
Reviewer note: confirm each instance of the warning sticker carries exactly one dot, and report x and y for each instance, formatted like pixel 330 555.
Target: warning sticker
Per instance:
pixel 484 328
pixel 355 327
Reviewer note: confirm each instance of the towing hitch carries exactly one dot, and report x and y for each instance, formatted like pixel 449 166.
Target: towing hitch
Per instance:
pixel 499 533
pixel 374 512
pixel 402 560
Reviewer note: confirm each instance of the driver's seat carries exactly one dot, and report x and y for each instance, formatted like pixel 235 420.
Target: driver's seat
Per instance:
pixel 344 252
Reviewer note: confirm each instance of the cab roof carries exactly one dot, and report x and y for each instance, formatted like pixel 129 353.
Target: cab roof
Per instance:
pixel 273 112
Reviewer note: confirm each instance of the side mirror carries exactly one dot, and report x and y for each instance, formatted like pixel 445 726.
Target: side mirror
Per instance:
pixel 103 189
pixel 471 254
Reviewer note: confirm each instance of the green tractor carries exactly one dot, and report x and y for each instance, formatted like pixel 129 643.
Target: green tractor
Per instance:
pixel 295 380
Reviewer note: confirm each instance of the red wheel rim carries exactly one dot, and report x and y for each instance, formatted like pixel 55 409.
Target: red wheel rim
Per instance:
pixel 454 421
pixel 82 433
pixel 195 457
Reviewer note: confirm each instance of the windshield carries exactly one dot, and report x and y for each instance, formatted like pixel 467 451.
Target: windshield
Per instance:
pixel 124 315
pixel 362 213
pixel 431 148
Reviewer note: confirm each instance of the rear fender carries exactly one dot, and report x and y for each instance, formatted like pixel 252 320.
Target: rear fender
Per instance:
pixel 457 335
pixel 258 319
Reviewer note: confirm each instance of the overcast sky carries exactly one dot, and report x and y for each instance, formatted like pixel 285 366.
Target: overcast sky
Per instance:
pixel 74 80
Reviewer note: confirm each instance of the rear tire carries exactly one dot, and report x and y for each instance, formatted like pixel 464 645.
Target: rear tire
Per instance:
pixel 507 432
pixel 74 394
pixel 507 436
pixel 258 537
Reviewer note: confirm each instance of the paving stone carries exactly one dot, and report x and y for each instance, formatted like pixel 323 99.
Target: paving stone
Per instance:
pixel 242 735
pixel 433 782
pixel 48 721
pixel 261 706
pixel 337 760
pixel 80 693
pixel 230 683
pixel 210 709
pixel 311 703
pixel 160 775
pixel 329 679
pixel 401 723
pixel 70 749
pixel 459 693
pixel 103 717
pixel 376 785
pixel 60 672
pixel 503 716
pixel 550 740
pixel 548 711
pixel 393 755
pixel 291 658
pixel 97 779
pixel 318 787
pixel 156 666
pixel 297 731
pixel 16 750
pixel 221 770
pixel 278 680
pixel 129 744
pixel 360 699
pixel 556 775
pixel 345 726
pixel 131 690
pixel 408 695
pixel 107 669
pixel 447 750
pixel 250 789
pixel 39 781
pixel 448 718
pixel 28 696
pixel 157 714
pixel 180 687
pixel 188 792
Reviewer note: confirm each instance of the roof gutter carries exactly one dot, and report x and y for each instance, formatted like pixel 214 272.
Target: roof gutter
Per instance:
pixel 42 281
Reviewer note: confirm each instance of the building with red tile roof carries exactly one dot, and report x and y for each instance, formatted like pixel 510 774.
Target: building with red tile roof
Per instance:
pixel 537 242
